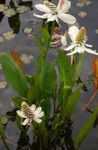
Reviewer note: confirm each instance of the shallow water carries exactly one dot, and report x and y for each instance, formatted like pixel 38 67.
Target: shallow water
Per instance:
pixel 25 44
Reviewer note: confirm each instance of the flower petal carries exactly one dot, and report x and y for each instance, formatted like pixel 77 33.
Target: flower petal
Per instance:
pixel 42 8
pixel 44 16
pixel 80 49
pixel 67 18
pixel 70 47
pixel 63 40
pixel 40 114
pixel 72 53
pixel 26 121
pixel 38 110
pixel 51 18
pixel 33 107
pixel 37 120
pixel 91 51
pixel 20 113
pixel 63 6
pixel 88 45
pixel 73 32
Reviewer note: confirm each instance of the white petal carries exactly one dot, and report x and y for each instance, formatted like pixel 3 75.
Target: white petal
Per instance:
pixel 88 45
pixel 91 51
pixel 70 47
pixel 20 113
pixel 44 16
pixel 38 110
pixel 63 40
pixel 73 32
pixel 42 8
pixel 80 49
pixel 72 53
pixel 52 18
pixel 40 114
pixel 26 121
pixel 67 18
pixel 33 107
pixel 37 120
pixel 63 6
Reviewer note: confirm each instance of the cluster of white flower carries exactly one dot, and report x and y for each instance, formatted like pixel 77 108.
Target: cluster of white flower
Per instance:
pixel 78 45
pixel 78 36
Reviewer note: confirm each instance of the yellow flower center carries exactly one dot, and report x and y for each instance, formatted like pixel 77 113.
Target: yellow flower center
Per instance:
pixel 81 37
pixel 51 6
pixel 27 111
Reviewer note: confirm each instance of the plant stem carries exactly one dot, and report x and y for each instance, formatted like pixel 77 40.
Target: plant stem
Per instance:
pixel 4 141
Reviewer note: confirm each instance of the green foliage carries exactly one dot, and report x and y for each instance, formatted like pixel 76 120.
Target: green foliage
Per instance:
pixel 17 101
pixel 43 41
pixel 72 101
pixel 3 120
pixel 45 104
pixel 45 82
pixel 78 67
pixel 13 74
pixel 55 129
pixel 86 128
pixel 65 69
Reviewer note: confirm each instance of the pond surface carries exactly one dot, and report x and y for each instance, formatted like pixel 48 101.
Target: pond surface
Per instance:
pixel 86 13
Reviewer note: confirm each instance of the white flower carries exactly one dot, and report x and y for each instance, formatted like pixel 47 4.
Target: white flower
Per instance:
pixel 9 12
pixel 30 113
pixel 79 39
pixel 51 12
pixel 3 7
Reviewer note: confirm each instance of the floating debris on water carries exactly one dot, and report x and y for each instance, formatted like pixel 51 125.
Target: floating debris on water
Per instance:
pixel 8 35
pixel 82 14
pixel 3 84
pixel 22 9
pixel 27 30
pixel 26 58
pixel 9 12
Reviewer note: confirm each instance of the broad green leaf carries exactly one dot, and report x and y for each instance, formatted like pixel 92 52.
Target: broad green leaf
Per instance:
pixel 47 79
pixel 78 67
pixel 86 128
pixel 45 104
pixel 13 74
pixel 72 101
pixel 65 68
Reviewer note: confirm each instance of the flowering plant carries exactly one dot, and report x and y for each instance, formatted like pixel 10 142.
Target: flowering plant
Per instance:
pixel 46 100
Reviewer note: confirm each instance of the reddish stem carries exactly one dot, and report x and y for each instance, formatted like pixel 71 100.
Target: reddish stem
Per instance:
pixel 90 100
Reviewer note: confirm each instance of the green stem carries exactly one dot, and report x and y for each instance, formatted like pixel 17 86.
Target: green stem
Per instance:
pixel 3 139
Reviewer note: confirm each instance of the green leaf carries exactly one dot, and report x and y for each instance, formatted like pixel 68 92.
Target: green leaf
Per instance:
pixel 45 104
pixel 45 36
pixel 72 101
pixel 86 128
pixel 78 67
pixel 17 101
pixel 3 119
pixel 65 68
pixel 13 74
pixel 47 79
